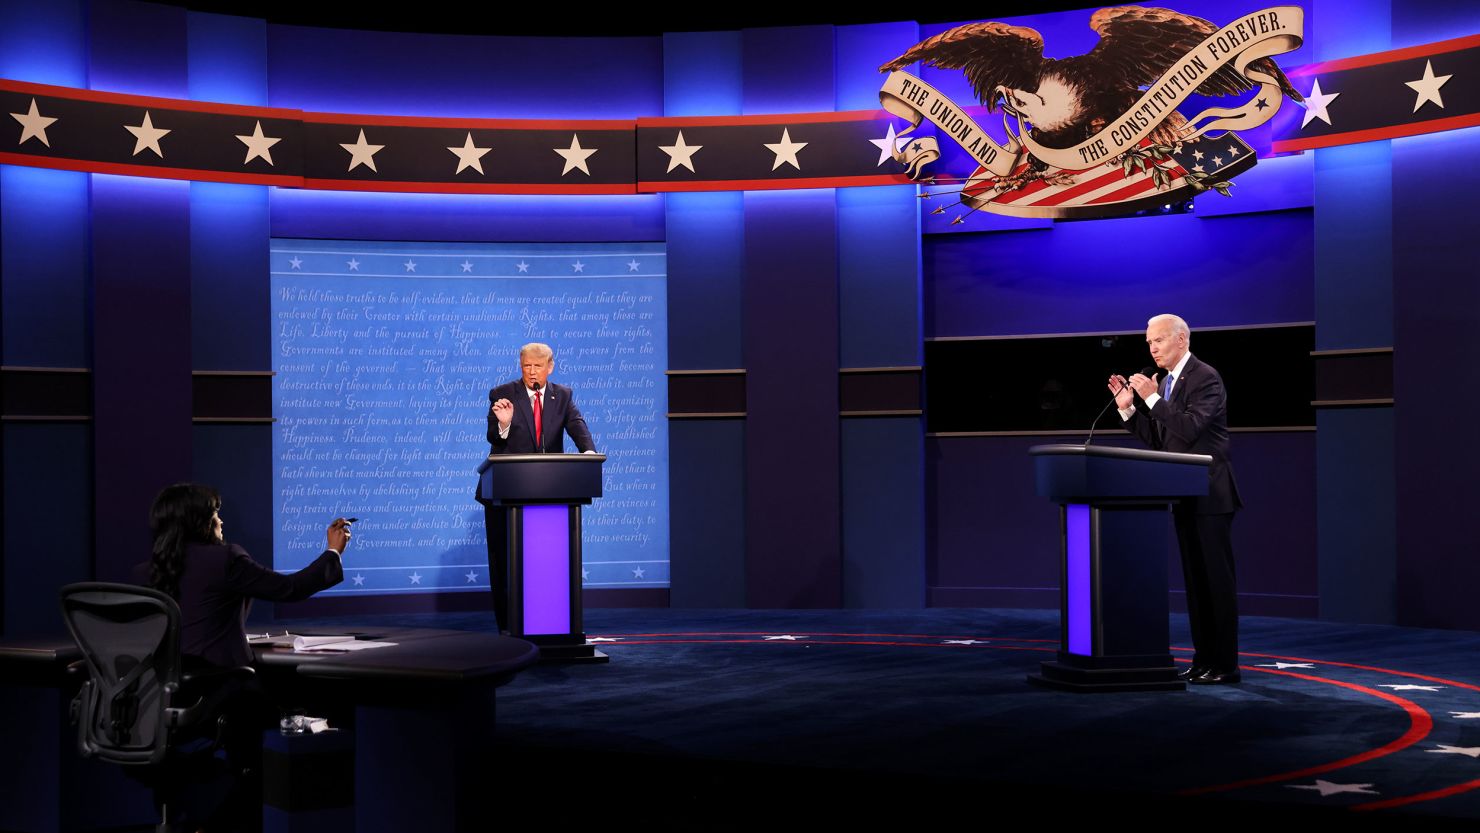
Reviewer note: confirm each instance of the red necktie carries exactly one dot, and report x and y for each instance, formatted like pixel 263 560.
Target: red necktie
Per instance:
pixel 539 417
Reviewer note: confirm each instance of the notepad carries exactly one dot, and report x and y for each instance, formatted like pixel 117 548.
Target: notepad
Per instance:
pixel 334 644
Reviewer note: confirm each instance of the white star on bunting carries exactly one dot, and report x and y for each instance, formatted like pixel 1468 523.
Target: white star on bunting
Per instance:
pixel 146 135
pixel 1316 103
pixel 680 154
pixel 1326 788
pixel 786 150
pixel 888 146
pixel 575 156
pixel 259 146
pixel 469 156
pixel 33 125
pixel 1428 86
pixel 362 153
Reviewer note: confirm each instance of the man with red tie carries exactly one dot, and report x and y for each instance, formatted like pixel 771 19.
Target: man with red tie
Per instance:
pixel 527 416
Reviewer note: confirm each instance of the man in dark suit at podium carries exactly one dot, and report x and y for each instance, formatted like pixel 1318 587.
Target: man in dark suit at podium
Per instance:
pixel 1185 409
pixel 526 416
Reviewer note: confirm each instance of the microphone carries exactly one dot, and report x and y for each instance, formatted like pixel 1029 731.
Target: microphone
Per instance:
pixel 1145 371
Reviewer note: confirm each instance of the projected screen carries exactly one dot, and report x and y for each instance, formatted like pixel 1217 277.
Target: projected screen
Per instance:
pixel 384 355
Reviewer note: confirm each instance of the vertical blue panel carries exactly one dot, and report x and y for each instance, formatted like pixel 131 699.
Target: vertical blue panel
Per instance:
pixel 141 357
pixel 861 49
pixel 344 215
pixel 138 48
pixel 879 276
pixel 1354 246
pixel 43 267
pixel 1416 22
pixel 1346 29
pixel 228 58
pixel 48 536
pixel 236 460
pixel 789 70
pixel 883 502
pixel 228 274
pixel 708 511
pixel 45 43
pixel 345 71
pixel 1356 530
pixel 701 74
pixel 1079 579
pixel 792 502
pixel 1436 311
pixel 706 257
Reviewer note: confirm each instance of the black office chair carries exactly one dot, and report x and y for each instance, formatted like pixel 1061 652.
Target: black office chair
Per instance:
pixel 138 706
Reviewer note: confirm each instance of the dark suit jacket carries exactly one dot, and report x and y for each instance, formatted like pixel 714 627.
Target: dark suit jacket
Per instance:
pixel 217 588
pixel 1195 421
pixel 561 416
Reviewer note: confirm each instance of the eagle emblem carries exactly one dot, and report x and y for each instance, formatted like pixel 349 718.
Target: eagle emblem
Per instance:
pixel 1114 106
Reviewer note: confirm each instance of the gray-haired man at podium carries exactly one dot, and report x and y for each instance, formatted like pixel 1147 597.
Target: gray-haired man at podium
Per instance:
pixel 1185 409
pixel 527 416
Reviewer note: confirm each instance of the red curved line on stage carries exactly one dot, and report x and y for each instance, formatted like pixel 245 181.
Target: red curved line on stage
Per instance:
pixel 1442 792
pixel 1420 723
pixel 1416 676
pixel 819 633
pixel 605 645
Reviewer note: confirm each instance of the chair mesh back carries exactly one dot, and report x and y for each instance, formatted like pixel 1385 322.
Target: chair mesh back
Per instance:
pixel 130 638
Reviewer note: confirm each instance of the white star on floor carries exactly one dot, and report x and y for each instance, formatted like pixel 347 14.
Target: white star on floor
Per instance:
pixel 963 642
pixel 33 125
pixel 1283 665
pixel 1427 87
pixel 680 154
pixel 295 262
pixel 1465 715
pixel 1446 749
pixel 410 265
pixel 603 639
pixel 415 578
pixel 467 265
pixel 585 574
pixel 147 136
pixel 1316 103
pixel 359 580
pixel 522 266
pixel 362 153
pixel 888 146
pixel 575 156
pixel 1410 687
pixel 786 150
pixel 632 265
pixel 578 266
pixel 258 145
pixel 469 156
pixel 1327 788
pixel 637 572
pixel 354 265
pixel 472 576
pixel 785 637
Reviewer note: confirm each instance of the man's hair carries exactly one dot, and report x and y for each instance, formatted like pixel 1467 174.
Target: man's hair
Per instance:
pixel 543 351
pixel 1179 327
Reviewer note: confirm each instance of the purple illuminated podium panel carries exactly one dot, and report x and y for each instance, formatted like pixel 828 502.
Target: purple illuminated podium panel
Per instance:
pixel 542 495
pixel 1116 528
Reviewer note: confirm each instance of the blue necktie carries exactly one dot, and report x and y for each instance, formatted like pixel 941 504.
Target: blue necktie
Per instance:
pixel 1167 388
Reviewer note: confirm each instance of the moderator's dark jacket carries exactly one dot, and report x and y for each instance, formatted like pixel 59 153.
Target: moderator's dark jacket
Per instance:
pixel 1195 421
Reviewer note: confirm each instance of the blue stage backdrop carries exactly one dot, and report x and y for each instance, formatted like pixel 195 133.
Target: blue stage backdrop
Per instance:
pixel 384 354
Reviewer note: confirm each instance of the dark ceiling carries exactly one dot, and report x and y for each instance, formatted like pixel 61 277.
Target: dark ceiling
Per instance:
pixel 588 20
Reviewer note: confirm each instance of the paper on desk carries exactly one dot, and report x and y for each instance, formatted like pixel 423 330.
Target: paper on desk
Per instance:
pixel 334 644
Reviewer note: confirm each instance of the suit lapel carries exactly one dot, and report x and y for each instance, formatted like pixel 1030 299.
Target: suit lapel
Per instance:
pixel 525 412
pixel 547 407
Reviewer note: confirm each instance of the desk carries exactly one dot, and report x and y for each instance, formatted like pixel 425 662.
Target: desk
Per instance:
pixel 422 712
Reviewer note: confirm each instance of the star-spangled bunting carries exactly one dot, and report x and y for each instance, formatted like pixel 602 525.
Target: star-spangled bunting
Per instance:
pixel 1316 103
pixel 1428 86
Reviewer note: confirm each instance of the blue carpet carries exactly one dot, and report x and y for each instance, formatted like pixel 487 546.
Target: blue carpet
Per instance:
pixel 727 719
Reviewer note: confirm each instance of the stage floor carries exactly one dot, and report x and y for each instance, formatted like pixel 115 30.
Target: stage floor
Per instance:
pixel 726 719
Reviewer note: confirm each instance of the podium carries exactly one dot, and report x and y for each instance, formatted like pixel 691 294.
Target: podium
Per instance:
pixel 542 496
pixel 1116 525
